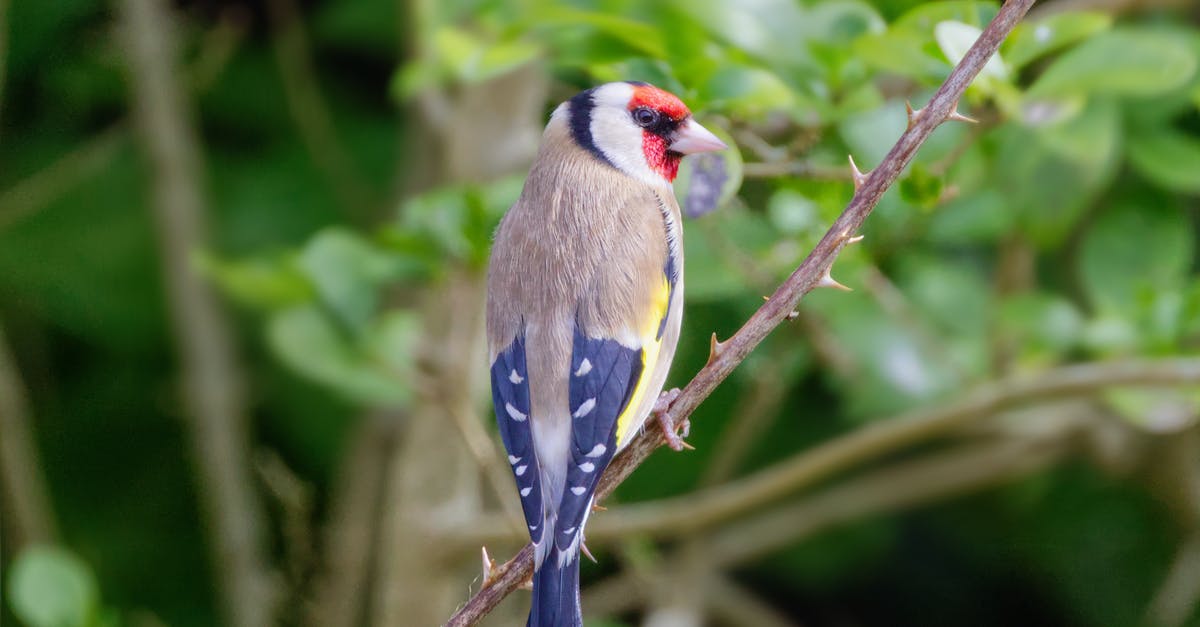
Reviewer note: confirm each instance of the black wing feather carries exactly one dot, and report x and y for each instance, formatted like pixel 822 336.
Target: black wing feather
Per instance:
pixel 603 377
pixel 510 395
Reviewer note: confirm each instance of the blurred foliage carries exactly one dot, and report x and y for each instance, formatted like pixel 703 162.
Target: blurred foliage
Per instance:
pixel 1061 228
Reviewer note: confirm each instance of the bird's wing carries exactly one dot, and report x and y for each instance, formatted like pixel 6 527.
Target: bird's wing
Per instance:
pixel 510 395
pixel 608 381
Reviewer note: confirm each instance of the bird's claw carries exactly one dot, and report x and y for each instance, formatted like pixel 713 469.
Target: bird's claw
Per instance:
pixel 674 433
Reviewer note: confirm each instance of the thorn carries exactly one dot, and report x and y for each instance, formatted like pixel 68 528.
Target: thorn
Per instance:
pixel 527 584
pixel 828 281
pixel 856 175
pixel 854 240
pixel 958 117
pixel 596 507
pixel 913 114
pixel 714 349
pixel 583 549
pixel 792 316
pixel 489 566
pixel 766 298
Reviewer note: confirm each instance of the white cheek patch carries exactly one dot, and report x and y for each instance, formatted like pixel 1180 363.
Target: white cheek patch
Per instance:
pixel 616 135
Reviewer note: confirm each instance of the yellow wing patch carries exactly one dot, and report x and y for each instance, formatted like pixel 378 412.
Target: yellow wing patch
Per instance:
pixel 651 344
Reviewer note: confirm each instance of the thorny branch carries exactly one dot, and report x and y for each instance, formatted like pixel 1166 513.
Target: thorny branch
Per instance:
pixel 713 506
pixel 812 273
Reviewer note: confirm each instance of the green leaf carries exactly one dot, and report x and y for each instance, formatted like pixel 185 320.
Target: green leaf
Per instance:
pixel 956 38
pixel 792 212
pixel 922 187
pixel 311 345
pixel 637 35
pixel 1168 158
pixel 708 181
pixel 267 282
pixel 924 17
pixel 1030 41
pixel 1121 62
pixel 51 587
pixel 773 31
pixel 1134 246
pixel 346 272
pixel 746 91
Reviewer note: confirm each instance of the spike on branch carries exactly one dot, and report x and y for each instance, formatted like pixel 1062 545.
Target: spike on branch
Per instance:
pixel 489 566
pixel 913 114
pixel 583 549
pixel 854 240
pixel 955 116
pixel 792 316
pixel 827 280
pixel 856 175
pixel 714 349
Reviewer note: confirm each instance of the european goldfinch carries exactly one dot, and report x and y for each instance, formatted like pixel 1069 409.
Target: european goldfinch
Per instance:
pixel 584 302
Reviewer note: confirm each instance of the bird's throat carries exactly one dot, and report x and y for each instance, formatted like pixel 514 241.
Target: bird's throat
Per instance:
pixel 661 160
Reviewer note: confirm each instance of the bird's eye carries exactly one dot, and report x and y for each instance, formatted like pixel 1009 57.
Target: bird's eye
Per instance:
pixel 645 117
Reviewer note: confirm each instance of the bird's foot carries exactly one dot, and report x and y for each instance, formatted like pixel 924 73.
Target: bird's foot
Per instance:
pixel 674 433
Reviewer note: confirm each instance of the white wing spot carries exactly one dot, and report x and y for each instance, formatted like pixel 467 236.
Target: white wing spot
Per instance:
pixel 587 466
pixel 578 491
pixel 597 450
pixel 514 413
pixel 585 408
pixel 515 378
pixel 525 491
pixel 521 470
pixel 585 367
pixel 567 532
pixel 533 527
pixel 512 459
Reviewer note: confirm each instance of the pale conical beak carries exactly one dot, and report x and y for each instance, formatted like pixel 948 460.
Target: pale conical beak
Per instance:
pixel 692 138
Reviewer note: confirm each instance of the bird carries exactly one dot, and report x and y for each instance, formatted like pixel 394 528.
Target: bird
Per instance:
pixel 584 307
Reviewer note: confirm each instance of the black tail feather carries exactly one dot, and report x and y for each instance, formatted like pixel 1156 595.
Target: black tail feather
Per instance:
pixel 556 594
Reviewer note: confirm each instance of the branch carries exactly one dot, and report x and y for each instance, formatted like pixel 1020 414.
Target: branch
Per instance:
pixel 810 274
pixel 23 489
pixel 698 511
pixel 212 395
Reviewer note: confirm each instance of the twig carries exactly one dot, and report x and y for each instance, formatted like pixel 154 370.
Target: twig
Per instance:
pixel 212 391
pixel 735 605
pixel 90 158
pixel 23 487
pixel 961 470
pixel 801 169
pixel 352 526
pixel 727 355
pixel 1177 596
pixel 3 51
pixel 309 112
pixel 68 171
pixel 715 505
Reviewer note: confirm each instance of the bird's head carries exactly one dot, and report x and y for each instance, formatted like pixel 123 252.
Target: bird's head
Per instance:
pixel 637 128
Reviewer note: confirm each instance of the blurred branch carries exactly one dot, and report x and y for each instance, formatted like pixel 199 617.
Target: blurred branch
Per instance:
pixel 48 184
pixel 1175 599
pixel 3 53
pixel 309 112
pixel 809 275
pixel 211 382
pixel 89 159
pixel 713 506
pixel 800 169
pixel 735 605
pixel 963 469
pixel 26 498
pixel 1116 7
pixel 339 597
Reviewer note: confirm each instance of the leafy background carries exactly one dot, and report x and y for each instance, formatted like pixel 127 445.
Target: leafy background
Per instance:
pixel 1060 229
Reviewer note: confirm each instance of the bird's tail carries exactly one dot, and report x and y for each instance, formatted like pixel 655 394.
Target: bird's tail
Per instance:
pixel 556 593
